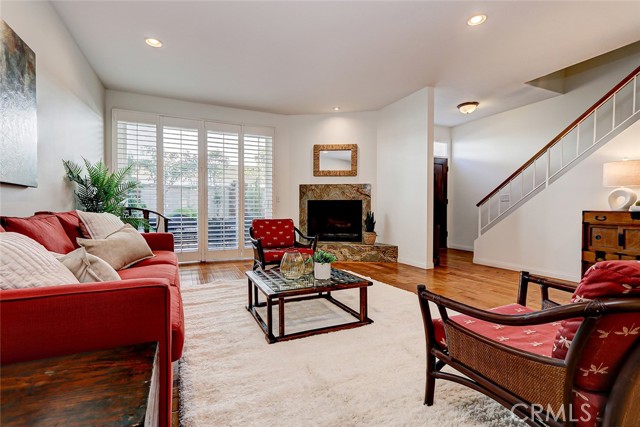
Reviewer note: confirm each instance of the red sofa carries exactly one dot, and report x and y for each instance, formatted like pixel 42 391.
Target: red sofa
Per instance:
pixel 57 320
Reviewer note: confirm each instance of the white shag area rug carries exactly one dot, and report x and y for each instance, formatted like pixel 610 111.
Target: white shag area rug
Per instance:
pixel 368 376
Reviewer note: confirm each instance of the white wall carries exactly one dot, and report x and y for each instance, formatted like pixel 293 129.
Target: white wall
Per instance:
pixel 486 151
pixel 544 236
pixel 405 164
pixel 70 108
pixel 305 131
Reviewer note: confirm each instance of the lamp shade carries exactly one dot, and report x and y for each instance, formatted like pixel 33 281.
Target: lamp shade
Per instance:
pixel 621 174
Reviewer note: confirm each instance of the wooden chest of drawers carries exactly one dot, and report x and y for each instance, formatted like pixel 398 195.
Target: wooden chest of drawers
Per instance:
pixel 609 235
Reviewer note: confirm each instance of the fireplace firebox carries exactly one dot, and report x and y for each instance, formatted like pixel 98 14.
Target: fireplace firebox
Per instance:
pixel 335 220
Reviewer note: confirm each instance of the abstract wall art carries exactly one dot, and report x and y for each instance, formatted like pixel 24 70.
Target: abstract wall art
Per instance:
pixel 18 110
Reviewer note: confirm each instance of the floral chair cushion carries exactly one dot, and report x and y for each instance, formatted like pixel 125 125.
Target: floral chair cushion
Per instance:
pixel 614 335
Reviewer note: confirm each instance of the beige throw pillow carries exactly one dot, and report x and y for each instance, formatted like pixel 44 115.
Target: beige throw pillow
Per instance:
pixel 120 249
pixel 25 263
pixel 98 225
pixel 88 268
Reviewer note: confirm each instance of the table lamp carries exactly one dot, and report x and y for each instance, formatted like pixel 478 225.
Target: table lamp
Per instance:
pixel 621 174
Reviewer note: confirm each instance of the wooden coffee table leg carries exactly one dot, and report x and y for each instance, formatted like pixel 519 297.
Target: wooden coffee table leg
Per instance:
pixel 255 295
pixel 363 304
pixel 281 317
pixel 269 320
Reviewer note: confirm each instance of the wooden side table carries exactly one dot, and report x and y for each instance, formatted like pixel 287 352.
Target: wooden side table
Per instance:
pixel 609 235
pixel 115 387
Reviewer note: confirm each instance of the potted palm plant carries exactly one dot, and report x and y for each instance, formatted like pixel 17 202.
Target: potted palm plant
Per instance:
pixel 102 190
pixel 322 264
pixel 369 234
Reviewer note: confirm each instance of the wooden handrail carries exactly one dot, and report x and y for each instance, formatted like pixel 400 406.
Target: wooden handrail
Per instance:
pixel 568 129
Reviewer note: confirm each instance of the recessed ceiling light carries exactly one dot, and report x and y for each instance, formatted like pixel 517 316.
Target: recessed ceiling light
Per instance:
pixel 153 42
pixel 336 108
pixel 476 19
pixel 468 107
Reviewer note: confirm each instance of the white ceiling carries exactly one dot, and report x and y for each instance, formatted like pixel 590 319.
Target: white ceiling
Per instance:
pixel 306 57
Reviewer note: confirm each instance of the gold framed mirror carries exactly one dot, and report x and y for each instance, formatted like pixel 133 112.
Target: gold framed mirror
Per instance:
pixel 335 160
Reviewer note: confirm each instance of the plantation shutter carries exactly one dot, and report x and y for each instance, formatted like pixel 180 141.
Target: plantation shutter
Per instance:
pixel 210 179
pixel 223 184
pixel 136 146
pixel 258 176
pixel 180 170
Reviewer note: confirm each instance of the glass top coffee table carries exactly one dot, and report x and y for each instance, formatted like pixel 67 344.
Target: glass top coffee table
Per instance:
pixel 278 290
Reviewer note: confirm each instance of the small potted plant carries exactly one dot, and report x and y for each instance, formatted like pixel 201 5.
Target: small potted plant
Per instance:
pixel 322 264
pixel 369 229
pixel 635 207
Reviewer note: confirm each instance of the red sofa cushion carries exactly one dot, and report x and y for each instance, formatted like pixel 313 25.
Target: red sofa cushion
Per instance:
pixel 614 335
pixel 161 257
pixel 70 222
pixel 536 339
pixel 44 229
pixel 159 271
pixel 274 233
pixel 277 254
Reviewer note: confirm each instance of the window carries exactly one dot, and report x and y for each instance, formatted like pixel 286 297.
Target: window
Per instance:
pixel 216 178
pixel 224 192
pixel 258 179
pixel 180 185
pixel 137 148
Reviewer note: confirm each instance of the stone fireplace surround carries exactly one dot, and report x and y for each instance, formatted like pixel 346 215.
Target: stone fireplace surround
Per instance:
pixel 333 192
pixel 346 251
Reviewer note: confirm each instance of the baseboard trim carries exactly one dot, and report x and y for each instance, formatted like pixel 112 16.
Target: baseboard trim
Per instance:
pixel 413 263
pixel 533 270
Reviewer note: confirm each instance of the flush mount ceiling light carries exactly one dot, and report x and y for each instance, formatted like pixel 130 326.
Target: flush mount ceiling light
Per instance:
pixel 468 107
pixel 476 20
pixel 336 108
pixel 153 42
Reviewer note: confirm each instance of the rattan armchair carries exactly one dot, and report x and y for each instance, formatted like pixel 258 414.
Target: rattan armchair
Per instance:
pixel 562 384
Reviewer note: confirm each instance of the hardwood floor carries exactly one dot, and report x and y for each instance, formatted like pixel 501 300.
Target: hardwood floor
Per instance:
pixel 456 277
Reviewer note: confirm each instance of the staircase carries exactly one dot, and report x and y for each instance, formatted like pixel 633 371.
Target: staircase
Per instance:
pixel 599 124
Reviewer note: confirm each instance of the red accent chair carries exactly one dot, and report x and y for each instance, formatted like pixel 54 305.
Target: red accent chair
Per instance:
pixel 565 365
pixel 271 238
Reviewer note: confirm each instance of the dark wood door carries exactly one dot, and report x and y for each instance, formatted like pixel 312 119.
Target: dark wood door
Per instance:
pixel 440 169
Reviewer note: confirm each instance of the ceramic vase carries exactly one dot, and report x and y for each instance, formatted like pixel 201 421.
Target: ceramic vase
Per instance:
pixel 322 271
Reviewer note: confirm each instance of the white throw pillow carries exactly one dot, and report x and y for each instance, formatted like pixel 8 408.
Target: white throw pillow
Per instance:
pixel 120 249
pixel 98 225
pixel 88 268
pixel 25 263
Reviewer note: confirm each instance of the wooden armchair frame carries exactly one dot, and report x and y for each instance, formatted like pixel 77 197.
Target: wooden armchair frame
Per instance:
pixel 146 214
pixel 258 250
pixel 482 360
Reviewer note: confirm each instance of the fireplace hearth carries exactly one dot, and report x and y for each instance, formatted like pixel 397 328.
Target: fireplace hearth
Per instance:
pixel 335 220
